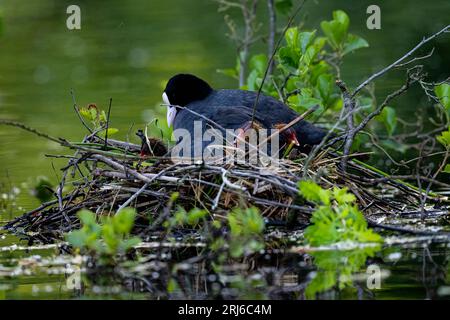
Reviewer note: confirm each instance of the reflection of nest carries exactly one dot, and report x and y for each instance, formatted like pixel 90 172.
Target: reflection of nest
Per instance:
pixel 118 177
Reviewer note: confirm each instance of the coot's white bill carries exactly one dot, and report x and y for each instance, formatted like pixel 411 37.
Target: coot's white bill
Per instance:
pixel 171 110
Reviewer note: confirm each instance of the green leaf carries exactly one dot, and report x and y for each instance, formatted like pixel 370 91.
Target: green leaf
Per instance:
pixel 258 63
pixel 110 237
pixel 289 59
pixel 336 267
pixel 443 93
pixel 444 138
pixel 102 116
pixel 93 114
pixel 309 55
pixel 389 118
pixel 322 282
pixel 317 69
pixel 111 131
pixel 304 101
pixel 76 238
pixel 172 286
pixel 174 197
pixel 313 192
pixel 342 196
pixel 291 37
pixel 195 215
pixel 305 39
pixel 252 81
pixel 87 217
pixel 446 169
pixel 354 43
pixel 236 249
pixel 331 223
pixel 342 18
pixel 85 113
pixel 245 221
pixel 123 221
pixel 229 72
pixel 336 29
pixel 254 221
pixel 325 86
pixel 127 244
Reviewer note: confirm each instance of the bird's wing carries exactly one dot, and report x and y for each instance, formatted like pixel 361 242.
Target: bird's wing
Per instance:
pixel 227 117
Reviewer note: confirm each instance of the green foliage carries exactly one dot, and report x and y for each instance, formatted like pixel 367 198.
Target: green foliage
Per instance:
pixel 389 118
pixel 312 80
pixel 182 218
pixel 107 239
pixel 304 71
pixel 337 34
pixel 245 237
pixel 335 268
pixel 246 231
pixel 258 64
pixel 98 119
pixel 447 169
pixel 250 287
pixel 444 138
pixel 336 218
pixel 307 65
pixel 443 93
pixel 156 128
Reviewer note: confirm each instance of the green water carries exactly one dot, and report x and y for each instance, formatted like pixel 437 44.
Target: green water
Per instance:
pixel 126 50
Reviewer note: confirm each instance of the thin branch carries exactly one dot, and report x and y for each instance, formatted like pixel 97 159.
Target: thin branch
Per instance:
pixel 272 56
pixel 349 107
pixel 30 129
pixel 386 101
pixel 272 32
pixel 77 111
pixel 107 123
pixel 400 60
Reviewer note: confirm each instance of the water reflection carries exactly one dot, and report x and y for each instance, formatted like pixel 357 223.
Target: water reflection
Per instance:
pixel 337 269
pixel 413 271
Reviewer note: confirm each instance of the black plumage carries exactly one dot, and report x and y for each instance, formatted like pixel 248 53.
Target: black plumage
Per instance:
pixel 232 108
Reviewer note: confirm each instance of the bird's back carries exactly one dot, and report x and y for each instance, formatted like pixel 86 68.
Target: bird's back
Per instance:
pixel 270 109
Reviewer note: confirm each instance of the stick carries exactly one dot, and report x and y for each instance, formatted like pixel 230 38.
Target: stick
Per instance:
pixel 400 60
pixel 272 32
pixel 75 107
pixel 107 123
pixel 349 107
pixel 266 72
pixel 30 129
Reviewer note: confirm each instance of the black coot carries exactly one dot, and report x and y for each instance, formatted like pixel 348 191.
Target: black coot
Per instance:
pixel 230 109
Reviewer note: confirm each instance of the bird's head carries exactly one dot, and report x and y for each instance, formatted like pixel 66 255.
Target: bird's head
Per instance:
pixel 288 135
pixel 181 90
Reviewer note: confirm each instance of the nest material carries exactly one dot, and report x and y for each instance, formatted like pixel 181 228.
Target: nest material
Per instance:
pixel 110 181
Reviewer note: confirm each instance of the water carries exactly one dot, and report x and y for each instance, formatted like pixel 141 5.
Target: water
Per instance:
pixel 126 51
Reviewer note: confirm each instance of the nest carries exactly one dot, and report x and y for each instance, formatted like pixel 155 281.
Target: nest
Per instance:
pixel 113 175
